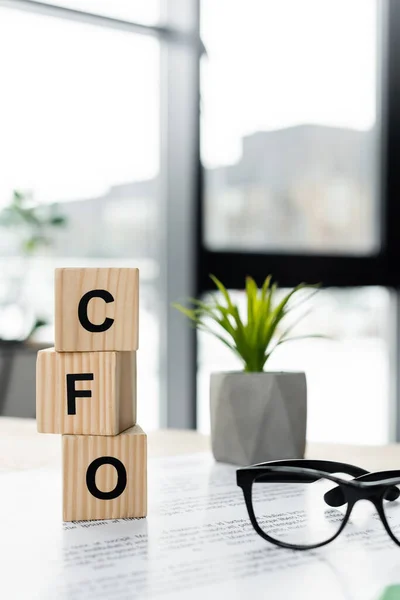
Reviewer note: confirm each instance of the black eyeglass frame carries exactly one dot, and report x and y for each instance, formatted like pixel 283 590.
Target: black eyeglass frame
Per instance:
pixel 372 486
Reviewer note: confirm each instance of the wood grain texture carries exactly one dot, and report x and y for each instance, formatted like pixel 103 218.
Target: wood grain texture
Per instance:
pixel 112 405
pixel 79 451
pixel 72 284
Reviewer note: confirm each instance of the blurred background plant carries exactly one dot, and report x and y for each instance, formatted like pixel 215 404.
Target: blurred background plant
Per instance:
pixel 35 226
pixel 35 222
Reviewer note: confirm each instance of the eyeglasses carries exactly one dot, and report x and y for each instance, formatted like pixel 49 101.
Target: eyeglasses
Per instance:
pixel 315 508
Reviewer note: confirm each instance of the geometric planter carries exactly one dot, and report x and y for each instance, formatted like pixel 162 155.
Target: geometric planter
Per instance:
pixel 257 417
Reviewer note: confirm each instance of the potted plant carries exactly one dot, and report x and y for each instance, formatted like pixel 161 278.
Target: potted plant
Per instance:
pixel 256 415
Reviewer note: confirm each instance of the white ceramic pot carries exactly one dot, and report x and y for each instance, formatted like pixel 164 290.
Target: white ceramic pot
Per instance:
pixel 257 417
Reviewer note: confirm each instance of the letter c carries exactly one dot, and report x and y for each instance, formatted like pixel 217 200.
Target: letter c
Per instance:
pixel 83 306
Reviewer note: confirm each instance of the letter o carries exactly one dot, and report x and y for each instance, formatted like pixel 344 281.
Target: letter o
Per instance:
pixel 91 478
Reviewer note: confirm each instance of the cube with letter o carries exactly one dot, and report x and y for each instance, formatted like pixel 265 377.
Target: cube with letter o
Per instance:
pixel 105 477
pixel 96 309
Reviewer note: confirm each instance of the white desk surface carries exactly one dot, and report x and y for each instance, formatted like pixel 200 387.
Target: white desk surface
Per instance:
pixel 21 447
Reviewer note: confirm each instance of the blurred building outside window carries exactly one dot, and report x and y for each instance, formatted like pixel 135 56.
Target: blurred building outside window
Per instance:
pixel 290 125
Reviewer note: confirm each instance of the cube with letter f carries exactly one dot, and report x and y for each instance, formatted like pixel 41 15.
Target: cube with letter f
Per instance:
pixel 85 393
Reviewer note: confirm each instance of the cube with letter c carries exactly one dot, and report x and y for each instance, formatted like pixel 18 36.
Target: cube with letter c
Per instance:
pixel 88 393
pixel 96 309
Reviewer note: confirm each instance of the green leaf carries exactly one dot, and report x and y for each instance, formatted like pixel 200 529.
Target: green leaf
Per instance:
pixel 251 291
pixel 221 317
pixel 318 336
pixel 58 221
pixel 185 311
pixel 295 323
pixel 18 197
pixel 219 337
pixel 317 287
pixel 255 339
pixel 37 324
pixel 223 290
pixel 265 287
pixel 31 244
pixel 300 337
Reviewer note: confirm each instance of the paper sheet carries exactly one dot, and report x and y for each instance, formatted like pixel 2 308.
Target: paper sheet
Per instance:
pixel 197 542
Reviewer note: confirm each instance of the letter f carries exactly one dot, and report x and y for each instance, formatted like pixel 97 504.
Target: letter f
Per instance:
pixel 73 393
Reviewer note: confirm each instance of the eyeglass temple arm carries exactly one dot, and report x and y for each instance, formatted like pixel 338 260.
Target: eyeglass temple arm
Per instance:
pixel 320 465
pixel 335 496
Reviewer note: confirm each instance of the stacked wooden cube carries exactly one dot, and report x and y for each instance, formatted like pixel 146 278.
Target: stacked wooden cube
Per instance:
pixel 86 391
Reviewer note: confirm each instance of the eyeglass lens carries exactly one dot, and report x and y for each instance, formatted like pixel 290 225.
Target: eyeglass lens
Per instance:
pixel 297 513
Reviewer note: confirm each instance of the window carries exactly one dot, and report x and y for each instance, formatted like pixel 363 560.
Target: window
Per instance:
pixel 80 126
pixel 99 113
pixel 294 127
pixel 296 173
pixel 290 128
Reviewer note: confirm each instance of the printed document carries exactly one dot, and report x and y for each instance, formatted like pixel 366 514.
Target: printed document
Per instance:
pixel 196 543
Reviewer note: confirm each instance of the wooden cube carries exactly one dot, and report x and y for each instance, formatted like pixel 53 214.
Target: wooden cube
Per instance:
pixel 96 309
pixel 85 392
pixel 105 477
